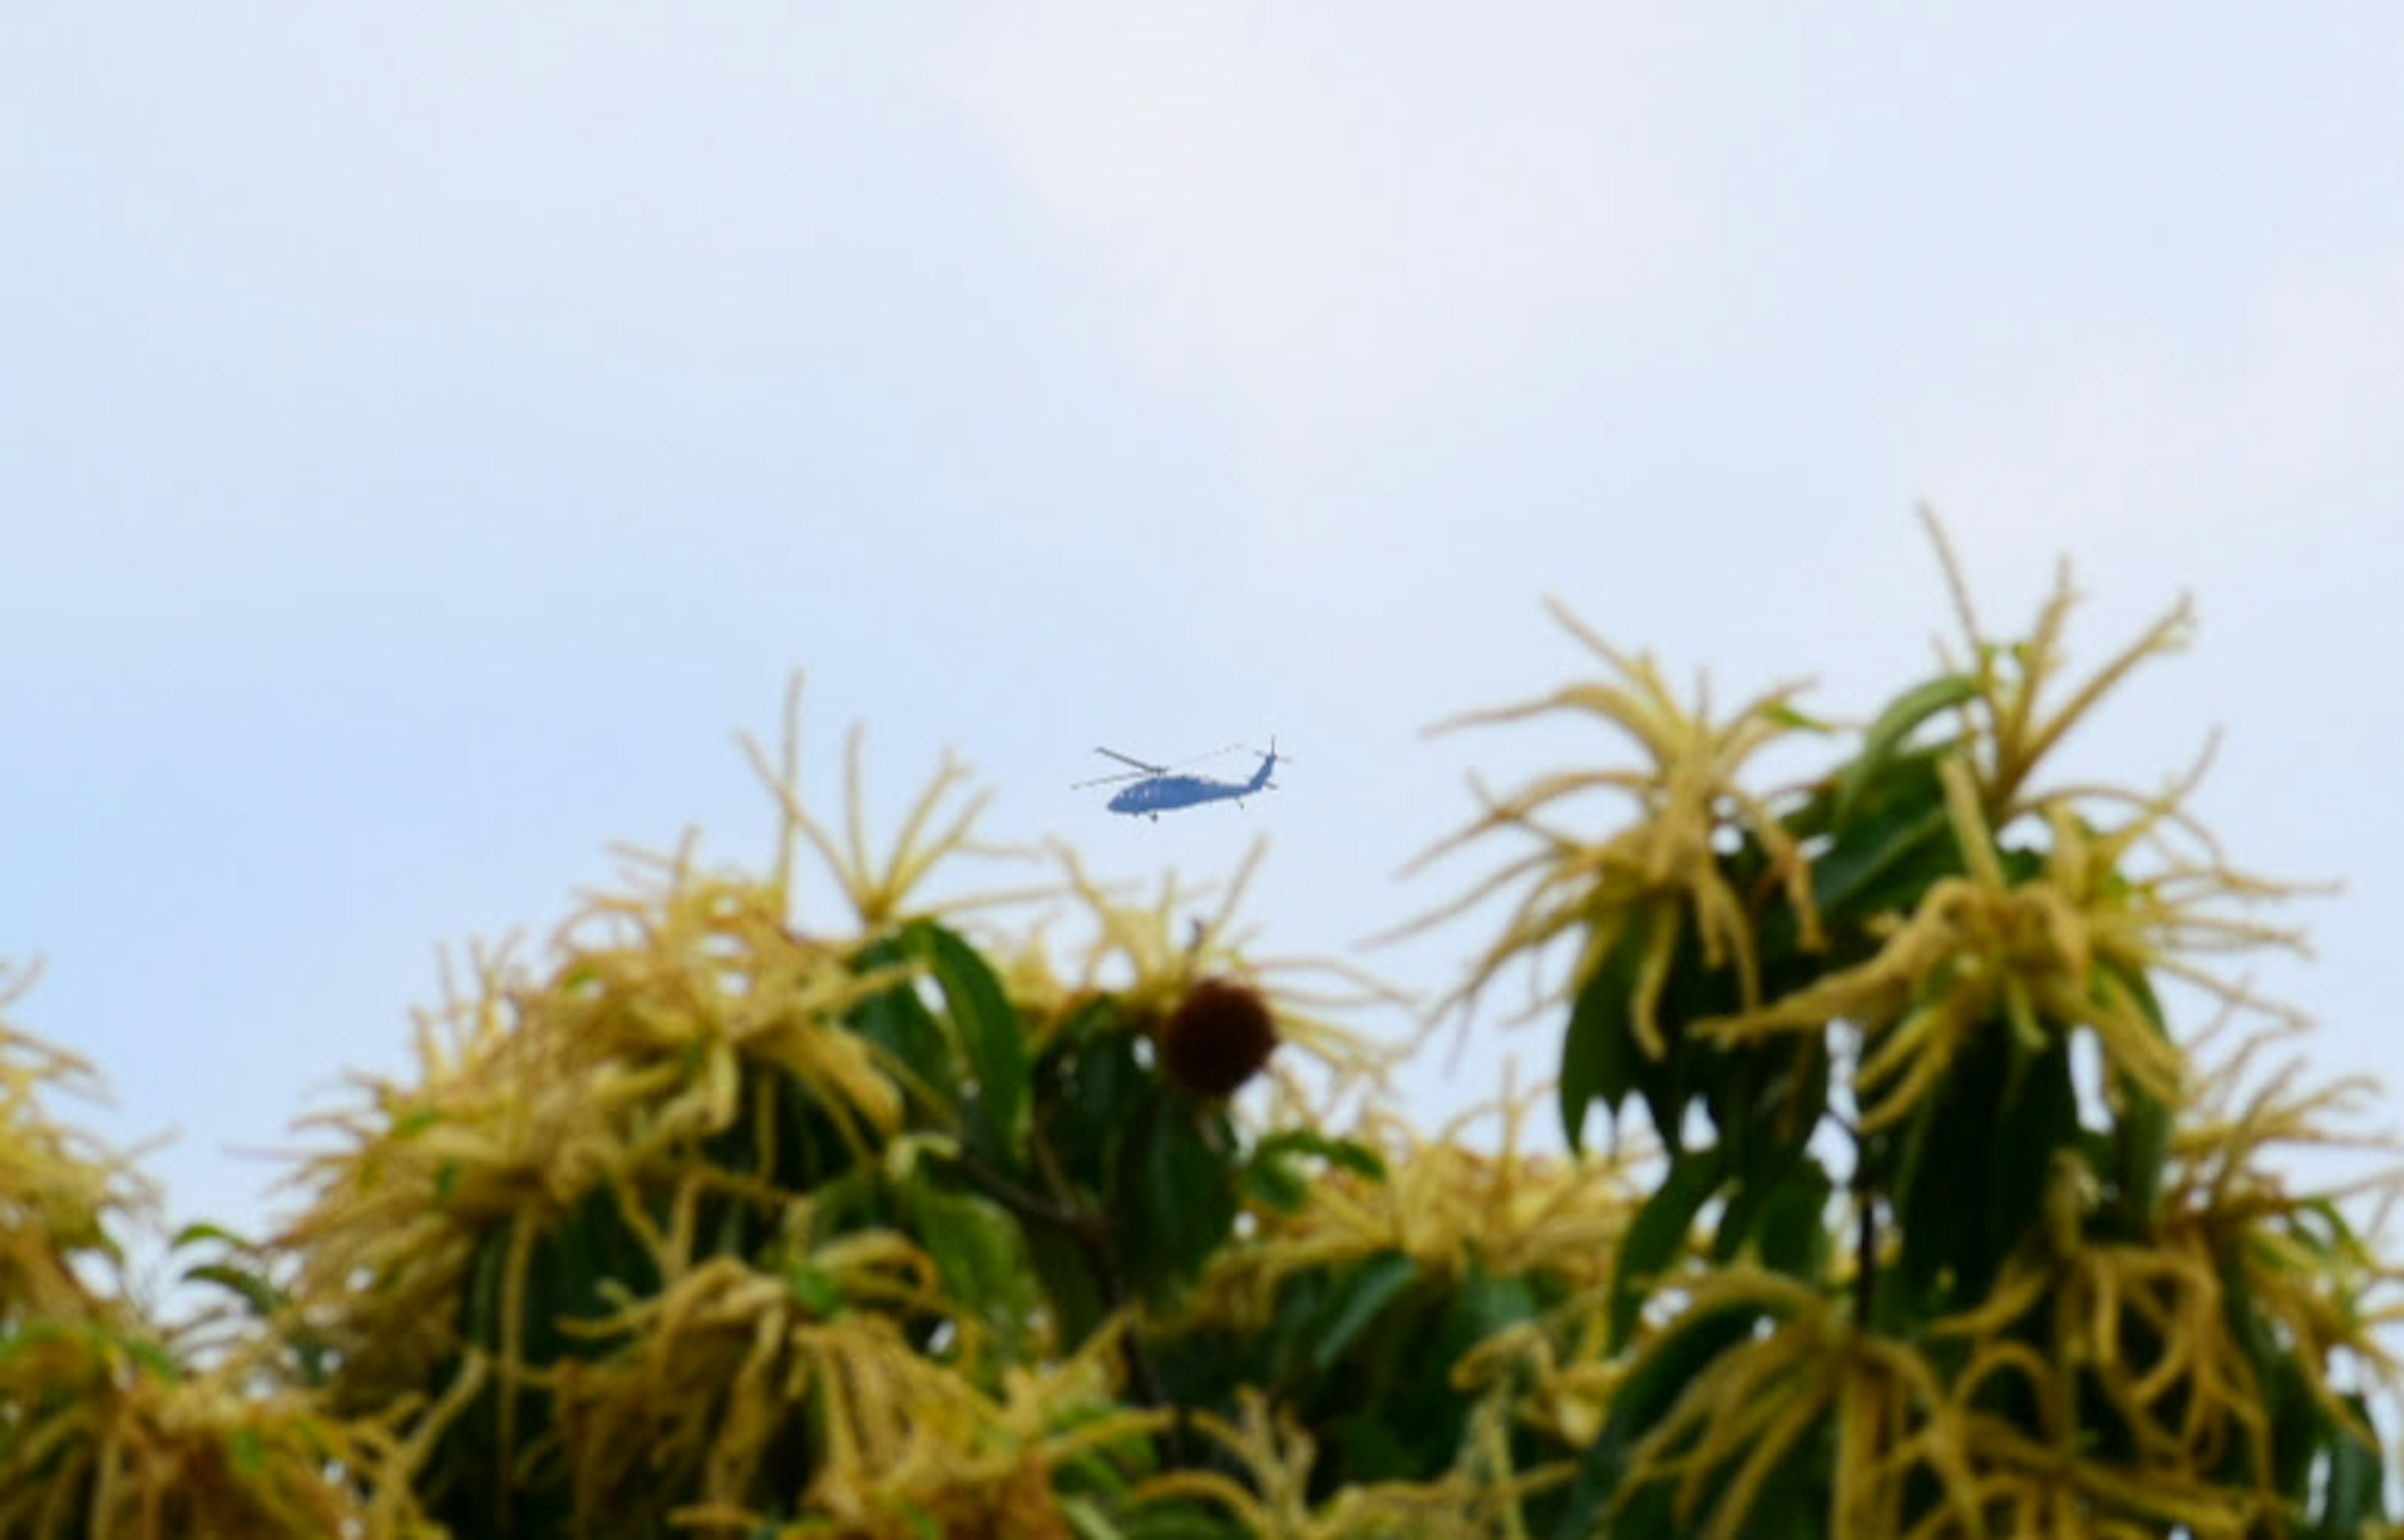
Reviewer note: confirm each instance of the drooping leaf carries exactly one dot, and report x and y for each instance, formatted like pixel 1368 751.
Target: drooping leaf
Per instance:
pixel 1766 1100
pixel 2357 1473
pixel 1784 1217
pixel 1275 1186
pixel 1600 1053
pixel 1092 1089
pixel 1355 1157
pixel 898 1022
pixel 263 1297
pixel 1895 725
pixel 1659 1377
pixel 1271 1178
pixel 192 1235
pixel 1968 1171
pixel 1178 1201
pixel 1658 1233
pixel 979 1251
pixel 2141 1134
pixel 1071 1283
pixel 1895 840
pixel 991 1037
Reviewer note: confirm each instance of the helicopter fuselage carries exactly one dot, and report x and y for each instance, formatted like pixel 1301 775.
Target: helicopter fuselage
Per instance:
pixel 1156 794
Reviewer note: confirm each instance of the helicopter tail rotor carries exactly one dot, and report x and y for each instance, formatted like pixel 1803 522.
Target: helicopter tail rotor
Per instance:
pixel 1271 756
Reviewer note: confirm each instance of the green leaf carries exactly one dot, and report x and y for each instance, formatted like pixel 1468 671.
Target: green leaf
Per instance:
pixel 1764 1101
pixel 1096 1111
pixel 1788 717
pixel 263 1297
pixel 1357 1158
pixel 1177 1199
pixel 1794 1228
pixel 1784 1217
pixel 1599 1053
pixel 1659 1377
pixel 1366 1289
pixel 2039 1117
pixel 1970 1176
pixel 989 1034
pixel 249 1453
pixel 978 1251
pixel 2356 1476
pixel 192 1235
pixel 2296 1416
pixel 1485 1303
pixel 1086 1521
pixel 1657 1234
pixel 1271 1179
pixel 817 1289
pixel 898 1022
pixel 1894 840
pixel 156 1359
pixel 1273 1186
pixel 1896 723
pixel 1065 1270
pixel 2141 1134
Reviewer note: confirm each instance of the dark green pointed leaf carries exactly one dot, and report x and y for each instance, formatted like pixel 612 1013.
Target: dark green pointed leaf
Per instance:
pixel 263 1297
pixel 2039 1117
pixel 2356 1476
pixel 1065 1270
pixel 1896 723
pixel 990 1032
pixel 1659 1377
pixel 1657 1234
pixel 2142 1133
pixel 898 1022
pixel 1482 1304
pixel 1895 838
pixel 1355 1157
pixel 1599 1053
pixel 192 1235
pixel 1179 1199
pixel 1788 717
pixel 481 1323
pixel 978 1250
pixel 1791 1229
pixel 1273 1185
pixel 1363 1290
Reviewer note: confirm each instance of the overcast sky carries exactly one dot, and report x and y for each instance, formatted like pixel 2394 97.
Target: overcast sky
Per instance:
pixel 428 431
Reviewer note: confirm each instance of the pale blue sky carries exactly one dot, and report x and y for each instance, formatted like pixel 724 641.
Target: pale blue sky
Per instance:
pixel 428 431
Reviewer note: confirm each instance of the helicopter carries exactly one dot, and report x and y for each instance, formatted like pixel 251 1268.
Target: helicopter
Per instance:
pixel 1159 788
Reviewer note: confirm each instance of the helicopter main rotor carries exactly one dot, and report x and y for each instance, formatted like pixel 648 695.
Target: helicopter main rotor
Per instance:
pixel 1145 769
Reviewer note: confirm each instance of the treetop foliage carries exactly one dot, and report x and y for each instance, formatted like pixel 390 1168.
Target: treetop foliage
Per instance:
pixel 1935 1225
